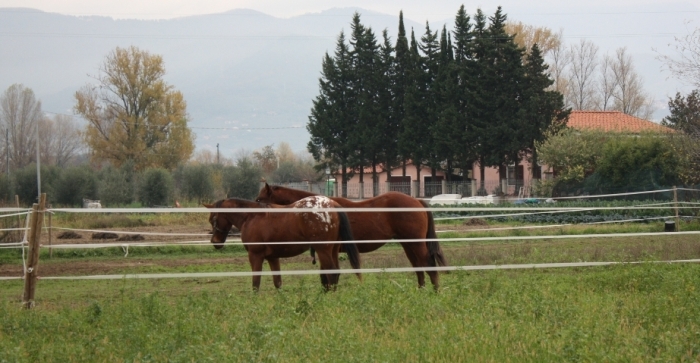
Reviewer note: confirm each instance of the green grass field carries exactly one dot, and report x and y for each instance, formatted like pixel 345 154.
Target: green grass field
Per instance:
pixel 629 312
pixel 648 312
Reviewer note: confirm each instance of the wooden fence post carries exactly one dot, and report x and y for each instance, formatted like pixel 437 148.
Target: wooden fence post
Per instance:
pixel 19 219
pixel 675 206
pixel 50 235
pixel 31 273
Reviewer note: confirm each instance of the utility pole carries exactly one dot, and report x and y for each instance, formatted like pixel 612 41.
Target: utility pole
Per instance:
pixel 217 153
pixel 7 150
pixel 38 162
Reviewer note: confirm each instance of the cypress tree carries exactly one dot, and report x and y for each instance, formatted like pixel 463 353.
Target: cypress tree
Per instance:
pixel 478 78
pixel 401 80
pixel 446 132
pixel 328 123
pixel 368 138
pixel 387 103
pixel 464 66
pixel 498 93
pixel 412 139
pixel 463 37
pixel 430 47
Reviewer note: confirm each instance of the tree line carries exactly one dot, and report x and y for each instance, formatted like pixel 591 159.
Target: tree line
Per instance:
pixel 126 185
pixel 443 101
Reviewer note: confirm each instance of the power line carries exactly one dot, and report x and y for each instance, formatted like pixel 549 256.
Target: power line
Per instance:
pixel 180 16
pixel 277 37
pixel 234 128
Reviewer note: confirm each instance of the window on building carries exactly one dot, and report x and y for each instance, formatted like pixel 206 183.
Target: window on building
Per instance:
pixel 515 174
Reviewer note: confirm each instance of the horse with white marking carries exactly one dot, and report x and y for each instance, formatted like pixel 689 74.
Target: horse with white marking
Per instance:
pixel 262 231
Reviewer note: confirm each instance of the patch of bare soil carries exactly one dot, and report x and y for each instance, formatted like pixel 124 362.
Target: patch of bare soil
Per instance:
pixel 87 267
pixel 148 233
pixel 468 224
pixel 154 234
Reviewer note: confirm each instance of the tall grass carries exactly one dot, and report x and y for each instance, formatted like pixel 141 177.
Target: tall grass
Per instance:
pixel 99 220
pixel 648 312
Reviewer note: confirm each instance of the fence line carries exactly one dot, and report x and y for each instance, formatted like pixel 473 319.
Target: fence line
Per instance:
pixel 557 225
pixel 355 271
pixel 511 188
pixel 386 241
pixel 533 210
pixel 340 209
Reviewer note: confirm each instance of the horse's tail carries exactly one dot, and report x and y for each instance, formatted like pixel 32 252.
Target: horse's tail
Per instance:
pixel 434 249
pixel 349 248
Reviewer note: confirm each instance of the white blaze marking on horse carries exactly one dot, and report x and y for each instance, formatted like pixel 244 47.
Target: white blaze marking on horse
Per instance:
pixel 316 202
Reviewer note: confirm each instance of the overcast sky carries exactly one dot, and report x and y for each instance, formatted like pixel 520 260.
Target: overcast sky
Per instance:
pixel 418 10
pixel 645 27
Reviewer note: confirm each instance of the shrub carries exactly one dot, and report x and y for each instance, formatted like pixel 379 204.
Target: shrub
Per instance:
pixel 75 184
pixel 243 180
pixel 156 187
pixel 25 180
pixel 195 182
pixel 116 185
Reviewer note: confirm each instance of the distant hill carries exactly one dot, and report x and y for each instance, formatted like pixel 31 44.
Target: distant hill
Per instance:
pixel 239 68
pixel 243 68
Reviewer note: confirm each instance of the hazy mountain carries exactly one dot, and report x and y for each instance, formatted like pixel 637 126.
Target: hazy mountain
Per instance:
pixel 236 69
pixel 239 68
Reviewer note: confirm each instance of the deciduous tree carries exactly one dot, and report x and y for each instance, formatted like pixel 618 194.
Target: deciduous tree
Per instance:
pixel 61 140
pixel 20 113
pixel 133 114
pixel 629 95
pixel 685 65
pixel 582 76
pixel 525 36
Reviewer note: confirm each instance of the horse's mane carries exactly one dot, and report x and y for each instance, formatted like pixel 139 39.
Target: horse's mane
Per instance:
pixel 297 192
pixel 221 201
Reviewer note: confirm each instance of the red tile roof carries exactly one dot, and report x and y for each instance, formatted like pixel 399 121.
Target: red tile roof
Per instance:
pixel 613 121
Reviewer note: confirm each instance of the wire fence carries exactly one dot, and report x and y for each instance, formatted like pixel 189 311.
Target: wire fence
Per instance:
pixel 672 207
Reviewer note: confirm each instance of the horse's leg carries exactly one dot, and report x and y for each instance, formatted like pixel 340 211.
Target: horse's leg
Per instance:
pixel 410 249
pixel 335 252
pixel 256 263
pixel 423 259
pixel 434 277
pixel 275 266
pixel 325 256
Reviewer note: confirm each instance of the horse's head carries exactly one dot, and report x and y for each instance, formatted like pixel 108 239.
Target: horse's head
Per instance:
pixel 280 195
pixel 265 195
pixel 219 223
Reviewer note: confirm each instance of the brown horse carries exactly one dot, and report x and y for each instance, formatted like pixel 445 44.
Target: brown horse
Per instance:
pixel 382 225
pixel 260 231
